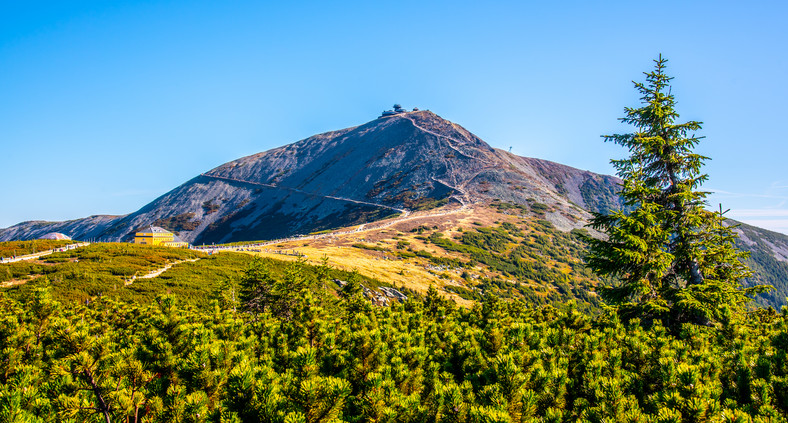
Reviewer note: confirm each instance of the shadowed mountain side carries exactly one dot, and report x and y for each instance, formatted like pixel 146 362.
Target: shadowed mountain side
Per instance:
pixel 274 215
pixel 389 161
pixel 768 261
pixel 223 210
pixel 589 190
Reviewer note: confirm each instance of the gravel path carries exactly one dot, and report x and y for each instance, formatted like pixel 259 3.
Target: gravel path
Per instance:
pixel 362 228
pixel 305 193
pixel 42 253
pixel 154 273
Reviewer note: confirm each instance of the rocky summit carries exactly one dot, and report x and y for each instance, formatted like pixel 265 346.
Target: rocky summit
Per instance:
pixel 395 164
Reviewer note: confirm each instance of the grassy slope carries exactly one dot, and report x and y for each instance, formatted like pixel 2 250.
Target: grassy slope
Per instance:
pixel 104 269
pixel 21 248
pixel 97 269
pixel 509 251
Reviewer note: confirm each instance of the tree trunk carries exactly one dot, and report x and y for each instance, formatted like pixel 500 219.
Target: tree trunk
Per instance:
pixel 103 407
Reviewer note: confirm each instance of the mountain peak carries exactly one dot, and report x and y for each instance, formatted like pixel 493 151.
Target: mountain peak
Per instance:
pixel 402 161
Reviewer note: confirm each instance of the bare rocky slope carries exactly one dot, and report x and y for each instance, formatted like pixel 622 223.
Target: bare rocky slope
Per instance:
pixel 393 164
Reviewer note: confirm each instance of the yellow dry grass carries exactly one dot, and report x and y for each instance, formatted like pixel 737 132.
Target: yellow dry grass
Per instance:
pixel 409 273
pixel 15 282
pixel 414 273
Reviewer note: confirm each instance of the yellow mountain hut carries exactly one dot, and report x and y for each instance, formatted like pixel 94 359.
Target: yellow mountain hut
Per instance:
pixel 155 235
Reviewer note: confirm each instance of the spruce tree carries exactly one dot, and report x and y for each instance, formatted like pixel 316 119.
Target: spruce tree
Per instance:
pixel 669 257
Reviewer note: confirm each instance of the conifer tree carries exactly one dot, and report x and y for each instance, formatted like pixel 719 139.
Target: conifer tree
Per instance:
pixel 256 286
pixel 671 259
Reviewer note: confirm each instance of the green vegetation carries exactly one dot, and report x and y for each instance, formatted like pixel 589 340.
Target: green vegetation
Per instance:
pixel 307 357
pixel 539 209
pixel 237 243
pixel 427 203
pixel 102 270
pixel 414 201
pixel 234 338
pixel 368 247
pixel 438 261
pixel 465 293
pixel 535 207
pixel 21 248
pixel 505 207
pixel 97 269
pixel 537 263
pixel 325 231
pixel 672 259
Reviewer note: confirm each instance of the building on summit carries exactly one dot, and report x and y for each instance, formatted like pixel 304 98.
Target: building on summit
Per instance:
pixel 398 110
pixel 155 235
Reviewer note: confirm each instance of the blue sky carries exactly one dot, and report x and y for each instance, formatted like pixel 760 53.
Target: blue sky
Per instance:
pixel 104 106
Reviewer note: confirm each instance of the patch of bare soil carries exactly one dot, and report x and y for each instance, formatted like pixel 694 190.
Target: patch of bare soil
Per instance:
pixel 15 282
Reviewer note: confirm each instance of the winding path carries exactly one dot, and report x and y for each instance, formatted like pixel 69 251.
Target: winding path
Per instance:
pixel 439 135
pixel 362 228
pixel 461 187
pixel 35 256
pixel 311 194
pixel 154 273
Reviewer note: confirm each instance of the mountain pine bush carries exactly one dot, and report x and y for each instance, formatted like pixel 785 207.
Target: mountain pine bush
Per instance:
pixel 338 359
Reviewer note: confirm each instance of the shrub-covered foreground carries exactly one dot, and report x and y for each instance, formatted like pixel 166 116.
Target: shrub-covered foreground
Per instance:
pixel 331 359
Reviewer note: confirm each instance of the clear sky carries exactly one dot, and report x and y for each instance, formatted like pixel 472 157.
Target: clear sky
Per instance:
pixel 105 106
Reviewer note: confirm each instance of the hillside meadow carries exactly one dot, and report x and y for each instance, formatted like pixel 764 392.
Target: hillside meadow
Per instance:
pixel 107 270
